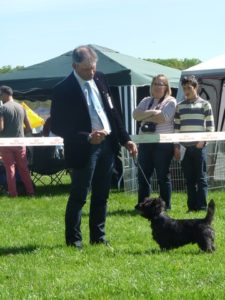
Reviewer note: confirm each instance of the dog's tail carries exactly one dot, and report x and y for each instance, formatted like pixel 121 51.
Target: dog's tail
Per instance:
pixel 210 213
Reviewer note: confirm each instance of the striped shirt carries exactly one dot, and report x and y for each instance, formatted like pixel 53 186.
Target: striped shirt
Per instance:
pixel 194 116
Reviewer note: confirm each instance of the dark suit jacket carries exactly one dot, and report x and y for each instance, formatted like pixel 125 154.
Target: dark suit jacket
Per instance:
pixel 70 119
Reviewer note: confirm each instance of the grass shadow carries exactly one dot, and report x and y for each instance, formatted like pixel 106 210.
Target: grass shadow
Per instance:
pixel 53 190
pixel 119 212
pixel 4 251
pixel 144 252
pixel 123 212
pixel 161 252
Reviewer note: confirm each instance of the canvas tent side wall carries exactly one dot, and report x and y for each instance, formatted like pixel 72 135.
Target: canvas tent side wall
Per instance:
pixel 128 100
pixel 211 77
pixel 213 90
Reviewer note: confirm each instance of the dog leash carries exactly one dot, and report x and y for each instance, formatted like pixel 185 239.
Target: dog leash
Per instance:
pixel 136 163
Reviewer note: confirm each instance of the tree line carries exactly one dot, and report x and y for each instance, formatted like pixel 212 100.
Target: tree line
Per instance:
pixel 180 64
pixel 6 69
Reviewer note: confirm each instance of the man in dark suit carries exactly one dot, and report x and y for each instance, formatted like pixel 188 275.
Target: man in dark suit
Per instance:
pixel 83 114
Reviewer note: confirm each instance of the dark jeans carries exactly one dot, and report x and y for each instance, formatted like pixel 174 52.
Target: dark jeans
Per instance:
pixel 97 176
pixel 194 168
pixel 155 157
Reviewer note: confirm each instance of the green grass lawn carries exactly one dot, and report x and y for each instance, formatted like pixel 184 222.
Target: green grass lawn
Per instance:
pixel 36 264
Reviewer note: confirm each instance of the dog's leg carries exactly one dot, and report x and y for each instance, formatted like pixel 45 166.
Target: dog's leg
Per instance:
pixel 163 249
pixel 206 239
pixel 207 245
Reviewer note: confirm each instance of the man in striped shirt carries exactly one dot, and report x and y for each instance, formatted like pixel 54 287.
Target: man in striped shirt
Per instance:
pixel 194 114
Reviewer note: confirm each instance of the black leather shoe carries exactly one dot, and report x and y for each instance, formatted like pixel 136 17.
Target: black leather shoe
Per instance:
pixel 191 210
pixel 203 208
pixel 100 242
pixel 104 243
pixel 137 208
pixel 78 245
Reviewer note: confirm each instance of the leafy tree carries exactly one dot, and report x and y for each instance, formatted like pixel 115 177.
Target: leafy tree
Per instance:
pixel 8 68
pixel 180 64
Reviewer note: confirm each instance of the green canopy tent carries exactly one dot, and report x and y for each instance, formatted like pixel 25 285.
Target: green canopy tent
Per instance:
pixel 36 81
pixel 129 79
pixel 124 73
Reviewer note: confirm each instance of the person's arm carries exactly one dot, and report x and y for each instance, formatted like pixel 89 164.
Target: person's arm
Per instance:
pixel 123 136
pixel 177 130
pixel 209 123
pixel 140 113
pixel 121 132
pixel 1 123
pixel 165 114
pixel 210 126
pixel 177 120
pixel 156 115
pixel 27 128
pixel 60 122
pixel 1 117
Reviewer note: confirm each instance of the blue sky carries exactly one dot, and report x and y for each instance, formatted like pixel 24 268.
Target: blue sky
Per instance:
pixel 33 31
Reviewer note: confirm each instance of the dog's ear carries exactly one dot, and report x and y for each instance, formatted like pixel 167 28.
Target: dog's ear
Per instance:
pixel 140 206
pixel 163 203
pixel 160 205
pixel 145 202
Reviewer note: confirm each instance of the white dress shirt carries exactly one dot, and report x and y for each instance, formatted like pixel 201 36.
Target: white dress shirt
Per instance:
pixel 98 115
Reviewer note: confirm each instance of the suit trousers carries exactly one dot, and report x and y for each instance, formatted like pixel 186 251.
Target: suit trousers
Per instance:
pixel 95 176
pixel 155 157
pixel 195 173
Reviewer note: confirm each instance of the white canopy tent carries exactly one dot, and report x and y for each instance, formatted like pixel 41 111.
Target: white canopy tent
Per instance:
pixel 215 65
pixel 211 76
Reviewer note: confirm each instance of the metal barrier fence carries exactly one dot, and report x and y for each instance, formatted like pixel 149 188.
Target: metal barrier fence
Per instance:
pixel 215 170
pixel 215 163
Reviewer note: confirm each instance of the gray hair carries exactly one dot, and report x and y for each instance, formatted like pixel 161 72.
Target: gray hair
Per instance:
pixel 84 53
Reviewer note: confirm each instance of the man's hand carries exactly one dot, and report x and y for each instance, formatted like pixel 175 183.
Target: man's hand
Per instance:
pixel 200 145
pixel 132 148
pixel 97 136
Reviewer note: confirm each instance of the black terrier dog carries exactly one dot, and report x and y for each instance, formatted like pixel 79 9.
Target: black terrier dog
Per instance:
pixel 171 233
